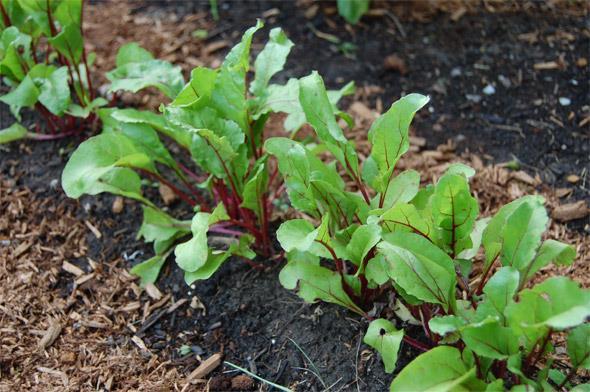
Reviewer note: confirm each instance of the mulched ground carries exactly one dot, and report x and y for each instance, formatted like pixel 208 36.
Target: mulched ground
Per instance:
pixel 71 317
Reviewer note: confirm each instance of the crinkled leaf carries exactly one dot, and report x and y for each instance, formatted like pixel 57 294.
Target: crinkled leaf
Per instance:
pixel 255 188
pixel 69 43
pixel 443 325
pixel 490 339
pixel 386 339
pixel 55 91
pixel 475 238
pixel 25 94
pixel 198 90
pixel 362 241
pixel 205 271
pixel 551 251
pixel 403 188
pixel 500 290
pixel 404 217
pixel 158 226
pixel 149 270
pixel 132 53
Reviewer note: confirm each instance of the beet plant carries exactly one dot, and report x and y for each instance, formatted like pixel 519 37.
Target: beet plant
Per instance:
pixel 487 325
pixel 217 120
pixel 44 63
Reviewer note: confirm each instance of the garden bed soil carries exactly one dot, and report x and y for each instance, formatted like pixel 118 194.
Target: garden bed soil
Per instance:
pixel 122 337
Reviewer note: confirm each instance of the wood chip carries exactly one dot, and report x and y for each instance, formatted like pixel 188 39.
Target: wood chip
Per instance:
pixel 458 14
pixel 523 177
pixel 582 62
pixel 83 279
pixel 417 141
pixel 571 211
pixel 50 335
pixel 167 194
pixel 118 205
pixel 205 367
pixel 153 291
pixel 572 178
pixel 563 192
pixel 361 110
pixel 176 305
pixel 72 269
pixel 93 229
pixel 215 46
pixel 62 375
pixel 131 306
pixel 139 343
pixel 22 248
pixel 395 63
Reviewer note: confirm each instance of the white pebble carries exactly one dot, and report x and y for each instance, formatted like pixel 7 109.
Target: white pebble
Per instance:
pixel 489 90
pixel 564 101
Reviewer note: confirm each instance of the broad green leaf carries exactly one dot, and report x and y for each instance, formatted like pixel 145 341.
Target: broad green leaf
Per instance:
pixel 212 264
pixel 12 133
pixel 558 303
pixel 213 153
pixel 352 10
pixel 420 268
pixel 522 235
pixel 15 50
pixel 83 112
pixel 460 168
pixel 550 251
pixel 475 237
pixel 363 240
pixel 405 217
pixel 492 238
pixel 500 290
pixel 376 270
pixel 135 76
pixel 182 136
pixel 440 369
pixel 159 227
pixel 292 158
pixel 318 109
pixel 300 235
pixel 255 188
pixel 149 270
pixel 55 91
pixel 578 346
pixel 69 43
pixel 197 92
pixel 25 94
pixel 102 164
pixel 443 325
pixel 454 212
pixel 386 339
pixel 581 388
pixel 403 188
pixel 194 254
pixel 315 282
pixel 69 12
pixel 270 60
pixel 132 53
pixel 491 340
pixel 389 137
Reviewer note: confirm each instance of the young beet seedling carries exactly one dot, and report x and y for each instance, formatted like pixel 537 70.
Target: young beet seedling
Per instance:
pixel 391 235
pixel 219 120
pixel 44 62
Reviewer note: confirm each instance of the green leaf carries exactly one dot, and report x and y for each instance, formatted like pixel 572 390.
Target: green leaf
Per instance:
pixel 558 303
pixel 194 253
pixel 132 53
pixel 363 240
pixel 440 369
pixel 522 235
pixel 420 268
pixel 69 12
pixel 551 251
pixel 160 228
pixel 404 217
pixel 318 109
pixel 352 10
pixel 213 152
pixel 135 76
pixel 24 95
pixel 12 133
pixel 315 282
pixel 255 188
pixel 386 339
pixel 389 137
pixel 491 340
pixel 83 112
pixel 500 290
pixel 578 346
pixel 403 188
pixel 443 325
pixel 102 164
pixel 55 91
pixel 149 270
pixel 454 212
pixel 197 92
pixel 270 60
pixel 492 238
pixel 475 238
pixel 182 136
pixel 297 234
pixel 212 264
pixel 69 43
pixel 15 48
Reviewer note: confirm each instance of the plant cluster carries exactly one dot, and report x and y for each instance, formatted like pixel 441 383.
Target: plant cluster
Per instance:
pixel 45 65
pixel 218 119
pixel 486 330
pixel 466 280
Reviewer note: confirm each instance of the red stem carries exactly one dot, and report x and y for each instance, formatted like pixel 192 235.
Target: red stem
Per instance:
pixel 416 344
pixel 5 16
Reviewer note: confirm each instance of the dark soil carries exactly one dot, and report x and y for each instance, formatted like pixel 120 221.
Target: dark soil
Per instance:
pixel 249 316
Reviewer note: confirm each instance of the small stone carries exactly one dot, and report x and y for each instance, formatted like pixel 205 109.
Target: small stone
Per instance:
pixel 167 194
pixel 504 80
pixel 395 63
pixel 473 98
pixel 54 183
pixel 572 178
pixel 242 383
pixel 456 72
pixel 118 204
pixel 489 90
pixel 582 62
pixel 564 101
